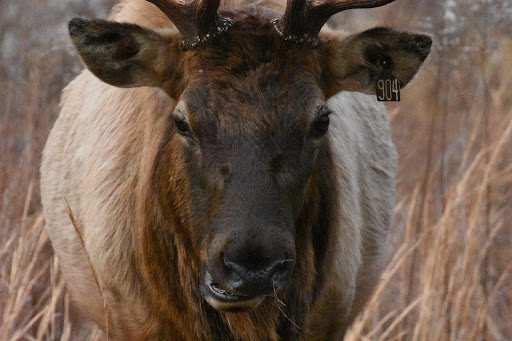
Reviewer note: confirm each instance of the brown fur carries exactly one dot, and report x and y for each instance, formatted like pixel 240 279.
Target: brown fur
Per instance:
pixel 136 191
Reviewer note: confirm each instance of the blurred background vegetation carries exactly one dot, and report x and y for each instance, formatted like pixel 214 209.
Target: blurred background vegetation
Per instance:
pixel 449 273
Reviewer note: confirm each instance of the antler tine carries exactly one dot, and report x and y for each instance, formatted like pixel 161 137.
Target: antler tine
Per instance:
pixel 321 11
pixel 197 20
pixel 303 19
pixel 294 20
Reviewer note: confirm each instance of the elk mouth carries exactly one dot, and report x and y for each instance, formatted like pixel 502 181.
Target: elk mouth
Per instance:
pixel 223 300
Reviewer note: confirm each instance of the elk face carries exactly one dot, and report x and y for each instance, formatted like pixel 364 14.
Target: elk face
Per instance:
pixel 250 120
pixel 250 123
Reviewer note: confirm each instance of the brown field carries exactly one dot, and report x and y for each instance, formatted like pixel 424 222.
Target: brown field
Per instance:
pixel 450 272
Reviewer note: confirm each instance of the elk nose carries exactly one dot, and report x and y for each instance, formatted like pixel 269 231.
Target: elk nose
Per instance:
pixel 256 277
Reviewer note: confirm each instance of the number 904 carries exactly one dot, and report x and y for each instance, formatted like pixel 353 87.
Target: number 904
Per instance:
pixel 388 90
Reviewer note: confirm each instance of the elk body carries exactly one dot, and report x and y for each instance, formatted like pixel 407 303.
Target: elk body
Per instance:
pixel 227 178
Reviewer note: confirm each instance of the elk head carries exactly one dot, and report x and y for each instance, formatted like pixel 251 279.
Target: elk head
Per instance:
pixel 250 122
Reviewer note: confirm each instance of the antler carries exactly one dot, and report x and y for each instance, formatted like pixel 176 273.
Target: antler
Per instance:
pixel 303 19
pixel 197 20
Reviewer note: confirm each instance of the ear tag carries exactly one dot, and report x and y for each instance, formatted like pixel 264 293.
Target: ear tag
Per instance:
pixel 388 86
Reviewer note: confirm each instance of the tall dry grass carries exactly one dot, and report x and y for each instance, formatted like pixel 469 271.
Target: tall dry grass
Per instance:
pixel 449 272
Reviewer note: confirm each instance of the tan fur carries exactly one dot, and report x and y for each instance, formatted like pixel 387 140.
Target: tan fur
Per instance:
pixel 98 159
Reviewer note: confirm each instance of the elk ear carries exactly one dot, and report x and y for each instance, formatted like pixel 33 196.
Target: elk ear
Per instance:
pixel 125 55
pixel 359 61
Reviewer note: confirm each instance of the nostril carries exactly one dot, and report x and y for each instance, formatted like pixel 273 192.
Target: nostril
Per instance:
pixel 232 272
pixel 255 274
pixel 278 277
pixel 281 273
pixel 229 265
pixel 234 279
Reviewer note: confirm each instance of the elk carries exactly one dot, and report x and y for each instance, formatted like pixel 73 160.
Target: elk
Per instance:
pixel 229 170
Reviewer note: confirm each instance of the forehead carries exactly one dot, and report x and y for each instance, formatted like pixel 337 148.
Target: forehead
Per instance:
pixel 250 42
pixel 251 77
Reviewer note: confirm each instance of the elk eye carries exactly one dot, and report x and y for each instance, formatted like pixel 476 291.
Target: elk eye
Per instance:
pixel 182 127
pixel 320 126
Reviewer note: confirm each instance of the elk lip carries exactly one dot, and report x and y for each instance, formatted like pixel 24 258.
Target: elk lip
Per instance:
pixel 215 287
pixel 223 300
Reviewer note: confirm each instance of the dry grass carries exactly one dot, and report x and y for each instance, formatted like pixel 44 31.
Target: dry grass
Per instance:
pixel 449 274
pixel 456 294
